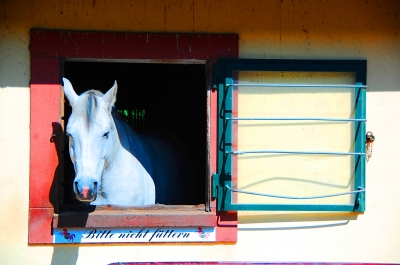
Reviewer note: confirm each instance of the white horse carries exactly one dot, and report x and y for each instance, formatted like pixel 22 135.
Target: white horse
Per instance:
pixel 114 165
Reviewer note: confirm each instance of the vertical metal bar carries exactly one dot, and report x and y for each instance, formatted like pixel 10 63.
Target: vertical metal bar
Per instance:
pixel 227 177
pixel 224 135
pixel 218 79
pixel 360 132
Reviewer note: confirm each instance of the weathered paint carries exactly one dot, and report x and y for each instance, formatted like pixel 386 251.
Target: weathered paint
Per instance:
pixel 324 29
pixel 125 46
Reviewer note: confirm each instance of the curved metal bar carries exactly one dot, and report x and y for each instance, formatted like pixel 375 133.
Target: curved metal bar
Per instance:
pixel 301 85
pixel 292 152
pixel 297 119
pixel 293 197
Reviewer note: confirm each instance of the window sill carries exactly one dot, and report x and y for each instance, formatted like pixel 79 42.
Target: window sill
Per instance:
pixel 151 216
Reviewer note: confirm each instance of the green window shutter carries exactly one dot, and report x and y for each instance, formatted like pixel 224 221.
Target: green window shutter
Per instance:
pixel 301 106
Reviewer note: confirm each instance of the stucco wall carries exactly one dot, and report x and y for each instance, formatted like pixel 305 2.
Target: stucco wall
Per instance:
pixel 267 29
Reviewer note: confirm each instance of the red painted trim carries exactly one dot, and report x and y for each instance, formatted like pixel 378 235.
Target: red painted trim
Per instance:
pixel 40 231
pixel 213 104
pixel 227 227
pixel 108 45
pixel 45 99
pixel 47 47
pixel 45 70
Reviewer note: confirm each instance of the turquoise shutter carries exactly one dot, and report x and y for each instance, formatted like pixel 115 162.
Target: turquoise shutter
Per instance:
pixel 227 80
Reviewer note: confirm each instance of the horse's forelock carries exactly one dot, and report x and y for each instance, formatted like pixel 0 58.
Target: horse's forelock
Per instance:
pixel 88 106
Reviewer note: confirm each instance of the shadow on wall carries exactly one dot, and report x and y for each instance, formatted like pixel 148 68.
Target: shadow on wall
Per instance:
pixel 289 221
pixel 54 190
pixel 66 255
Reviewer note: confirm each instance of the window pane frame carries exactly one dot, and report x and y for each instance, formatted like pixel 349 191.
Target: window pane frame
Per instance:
pixel 226 98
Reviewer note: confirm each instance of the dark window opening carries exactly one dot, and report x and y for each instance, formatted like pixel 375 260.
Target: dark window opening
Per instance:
pixel 151 97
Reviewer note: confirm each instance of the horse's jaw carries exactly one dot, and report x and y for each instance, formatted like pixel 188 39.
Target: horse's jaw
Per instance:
pixel 86 194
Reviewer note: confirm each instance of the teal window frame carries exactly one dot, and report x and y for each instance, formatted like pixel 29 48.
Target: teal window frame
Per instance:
pixel 223 81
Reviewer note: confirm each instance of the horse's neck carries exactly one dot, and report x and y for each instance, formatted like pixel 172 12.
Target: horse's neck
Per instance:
pixel 126 181
pixel 131 142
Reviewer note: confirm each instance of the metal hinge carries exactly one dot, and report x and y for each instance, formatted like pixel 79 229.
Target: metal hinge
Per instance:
pixel 215 183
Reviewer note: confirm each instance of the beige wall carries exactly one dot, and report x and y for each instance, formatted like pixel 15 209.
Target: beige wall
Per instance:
pixel 268 29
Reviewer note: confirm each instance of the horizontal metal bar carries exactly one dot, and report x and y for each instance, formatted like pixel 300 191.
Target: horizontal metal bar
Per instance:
pixel 293 197
pixel 292 152
pixel 301 85
pixel 290 207
pixel 297 119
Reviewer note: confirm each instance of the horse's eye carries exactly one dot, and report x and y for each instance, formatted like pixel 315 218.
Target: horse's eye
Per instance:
pixel 105 136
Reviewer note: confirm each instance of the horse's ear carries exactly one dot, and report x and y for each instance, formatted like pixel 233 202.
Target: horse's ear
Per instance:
pixel 111 96
pixel 69 91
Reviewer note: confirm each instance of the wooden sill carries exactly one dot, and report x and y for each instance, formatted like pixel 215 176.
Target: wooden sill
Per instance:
pixel 149 216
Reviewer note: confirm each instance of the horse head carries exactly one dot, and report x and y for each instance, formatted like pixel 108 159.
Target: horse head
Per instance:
pixel 92 138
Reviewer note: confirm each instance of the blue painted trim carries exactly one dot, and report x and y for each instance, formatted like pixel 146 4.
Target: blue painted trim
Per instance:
pixel 297 119
pixel 226 71
pixel 239 152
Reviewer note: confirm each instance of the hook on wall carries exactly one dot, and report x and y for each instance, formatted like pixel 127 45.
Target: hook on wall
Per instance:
pixel 370 138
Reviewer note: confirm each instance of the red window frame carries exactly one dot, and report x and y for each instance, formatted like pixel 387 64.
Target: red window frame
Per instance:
pixel 48 48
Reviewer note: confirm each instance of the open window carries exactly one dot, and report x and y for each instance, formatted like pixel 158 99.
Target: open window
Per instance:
pixel 165 82
pixel 291 135
pixel 152 98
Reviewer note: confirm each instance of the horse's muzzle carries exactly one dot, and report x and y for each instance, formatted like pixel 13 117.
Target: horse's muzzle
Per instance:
pixel 86 194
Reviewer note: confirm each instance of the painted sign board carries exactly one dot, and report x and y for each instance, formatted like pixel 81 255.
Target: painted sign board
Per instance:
pixel 132 235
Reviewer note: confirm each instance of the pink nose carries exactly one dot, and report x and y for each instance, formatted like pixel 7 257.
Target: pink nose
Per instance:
pixel 85 191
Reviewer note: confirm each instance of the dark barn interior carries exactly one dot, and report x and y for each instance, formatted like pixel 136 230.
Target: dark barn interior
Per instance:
pixel 151 97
